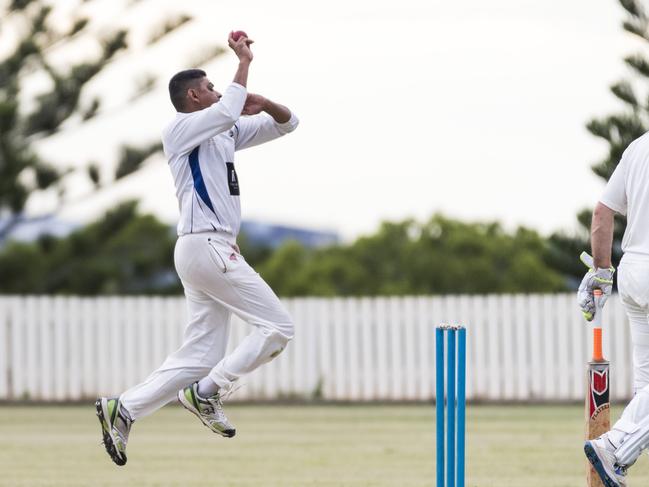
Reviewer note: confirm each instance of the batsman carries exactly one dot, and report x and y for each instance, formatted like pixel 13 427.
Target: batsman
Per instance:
pixel 627 193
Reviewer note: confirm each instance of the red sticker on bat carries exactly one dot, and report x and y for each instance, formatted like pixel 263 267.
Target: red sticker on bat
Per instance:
pixel 599 396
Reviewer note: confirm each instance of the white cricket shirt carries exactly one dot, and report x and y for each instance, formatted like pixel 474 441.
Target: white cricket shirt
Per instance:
pixel 627 193
pixel 200 147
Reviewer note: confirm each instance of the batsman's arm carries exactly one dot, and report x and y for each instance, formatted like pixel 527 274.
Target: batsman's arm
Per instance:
pixel 601 235
pixel 600 271
pixel 613 200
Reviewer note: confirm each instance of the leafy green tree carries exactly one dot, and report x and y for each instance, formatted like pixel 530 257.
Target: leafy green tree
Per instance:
pixel 122 253
pixel 128 253
pixel 440 256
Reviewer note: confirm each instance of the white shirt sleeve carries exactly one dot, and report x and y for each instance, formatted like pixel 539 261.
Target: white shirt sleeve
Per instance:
pixel 191 129
pixel 255 130
pixel 614 196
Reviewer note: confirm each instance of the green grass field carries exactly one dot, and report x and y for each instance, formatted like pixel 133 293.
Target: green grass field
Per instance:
pixel 391 446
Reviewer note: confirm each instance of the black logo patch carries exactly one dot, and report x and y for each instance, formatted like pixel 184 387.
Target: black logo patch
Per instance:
pixel 233 181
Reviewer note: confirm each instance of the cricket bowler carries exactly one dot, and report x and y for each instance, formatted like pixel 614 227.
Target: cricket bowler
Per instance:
pixel 626 193
pixel 200 144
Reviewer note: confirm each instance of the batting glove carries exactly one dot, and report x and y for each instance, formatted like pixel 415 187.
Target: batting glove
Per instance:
pixel 594 279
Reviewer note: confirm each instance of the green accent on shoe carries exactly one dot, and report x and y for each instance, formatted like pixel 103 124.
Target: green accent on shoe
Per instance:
pixel 112 410
pixel 208 410
pixel 191 397
pixel 114 444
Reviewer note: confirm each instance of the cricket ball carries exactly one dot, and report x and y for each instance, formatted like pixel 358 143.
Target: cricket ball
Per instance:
pixel 237 34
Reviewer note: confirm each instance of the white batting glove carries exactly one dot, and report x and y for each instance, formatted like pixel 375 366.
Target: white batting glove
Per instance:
pixel 594 279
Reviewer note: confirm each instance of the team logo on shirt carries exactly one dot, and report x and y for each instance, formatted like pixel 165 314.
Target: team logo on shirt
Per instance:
pixel 233 181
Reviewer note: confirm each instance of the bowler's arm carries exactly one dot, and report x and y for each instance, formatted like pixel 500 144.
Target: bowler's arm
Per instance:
pixel 192 129
pixel 268 121
pixel 280 113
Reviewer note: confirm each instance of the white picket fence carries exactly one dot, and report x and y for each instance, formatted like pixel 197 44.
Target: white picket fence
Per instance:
pixel 519 347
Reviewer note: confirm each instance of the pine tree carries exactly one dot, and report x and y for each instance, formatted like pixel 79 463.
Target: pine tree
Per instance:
pixel 618 130
pixel 23 172
pixel 621 128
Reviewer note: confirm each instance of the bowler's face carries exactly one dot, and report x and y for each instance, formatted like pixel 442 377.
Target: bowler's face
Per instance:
pixel 206 93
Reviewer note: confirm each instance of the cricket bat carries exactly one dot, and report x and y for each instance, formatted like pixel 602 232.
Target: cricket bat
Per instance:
pixel 598 413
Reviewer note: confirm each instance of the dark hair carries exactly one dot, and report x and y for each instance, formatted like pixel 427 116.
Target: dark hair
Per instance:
pixel 179 83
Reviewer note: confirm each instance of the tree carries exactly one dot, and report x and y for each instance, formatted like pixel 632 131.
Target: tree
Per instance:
pixel 23 172
pixel 618 130
pixel 123 252
pixel 440 256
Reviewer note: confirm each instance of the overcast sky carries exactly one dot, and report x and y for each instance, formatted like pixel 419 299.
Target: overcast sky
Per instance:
pixel 475 109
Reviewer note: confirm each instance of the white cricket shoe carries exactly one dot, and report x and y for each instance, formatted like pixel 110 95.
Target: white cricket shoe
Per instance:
pixel 208 409
pixel 601 454
pixel 115 427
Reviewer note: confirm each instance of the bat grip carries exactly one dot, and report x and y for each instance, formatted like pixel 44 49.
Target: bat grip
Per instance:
pixel 598 355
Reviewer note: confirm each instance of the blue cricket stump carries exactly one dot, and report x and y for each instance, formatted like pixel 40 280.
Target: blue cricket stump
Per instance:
pixel 439 403
pixel 450 404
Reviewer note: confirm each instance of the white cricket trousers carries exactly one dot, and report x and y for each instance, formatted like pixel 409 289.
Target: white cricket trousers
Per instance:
pixel 633 426
pixel 633 286
pixel 217 282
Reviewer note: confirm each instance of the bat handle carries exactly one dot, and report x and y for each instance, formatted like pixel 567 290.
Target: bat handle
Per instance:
pixel 598 355
pixel 597 296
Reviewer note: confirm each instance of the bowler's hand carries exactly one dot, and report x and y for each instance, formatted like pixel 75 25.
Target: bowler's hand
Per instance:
pixel 594 279
pixel 254 104
pixel 241 47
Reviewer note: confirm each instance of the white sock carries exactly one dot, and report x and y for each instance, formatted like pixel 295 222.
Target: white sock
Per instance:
pixel 207 387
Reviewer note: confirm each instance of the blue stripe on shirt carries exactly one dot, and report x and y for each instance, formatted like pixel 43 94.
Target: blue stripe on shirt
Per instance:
pixel 199 184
